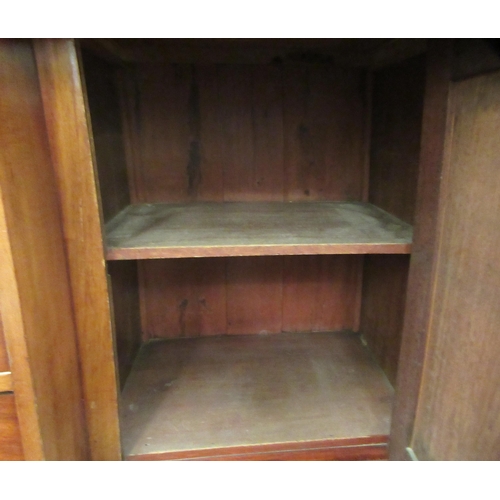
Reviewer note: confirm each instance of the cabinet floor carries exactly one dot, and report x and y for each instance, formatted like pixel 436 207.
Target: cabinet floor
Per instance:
pixel 213 393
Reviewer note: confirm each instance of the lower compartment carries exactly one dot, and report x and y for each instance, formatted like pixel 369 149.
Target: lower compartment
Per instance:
pixel 289 395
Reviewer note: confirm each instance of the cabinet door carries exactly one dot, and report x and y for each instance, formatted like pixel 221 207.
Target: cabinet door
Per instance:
pixel 457 411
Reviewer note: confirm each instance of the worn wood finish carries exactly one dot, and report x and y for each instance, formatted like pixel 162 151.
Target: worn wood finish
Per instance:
pixel 367 448
pixel 245 133
pixel 239 229
pixel 72 154
pixel 10 443
pixel 35 296
pixel 4 356
pixel 183 298
pixel 323 121
pixel 420 279
pixel 385 280
pixel 252 390
pixel 6 382
pixel 458 415
pixel 320 292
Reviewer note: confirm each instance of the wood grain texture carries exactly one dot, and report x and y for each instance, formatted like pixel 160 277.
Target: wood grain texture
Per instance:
pixel 368 448
pixel 385 280
pixel 11 447
pixel 324 122
pixel 245 133
pixel 6 382
pixel 398 97
pixel 183 298
pixel 420 278
pixel 72 155
pixel 458 415
pixel 254 295
pixel 101 81
pixel 35 296
pixel 217 230
pixel 320 292
pixel 4 356
pixel 216 296
pixel 219 392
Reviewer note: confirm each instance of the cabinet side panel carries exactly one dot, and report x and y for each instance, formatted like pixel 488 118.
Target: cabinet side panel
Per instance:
pixel 35 295
pixel 72 155
pixel 383 301
pixel 107 133
pixel 458 416
pixel 398 95
pixel 126 315
pixel 103 90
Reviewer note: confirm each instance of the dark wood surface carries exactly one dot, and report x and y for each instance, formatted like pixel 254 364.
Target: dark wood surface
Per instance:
pixel 11 447
pixel 73 158
pixel 385 280
pixel 458 416
pixel 366 448
pixel 245 133
pixel 213 393
pixel 244 229
pixel 398 98
pixel 35 291
pixel 199 297
pixel 368 52
pixel 420 279
pixel 124 286
pixel 103 98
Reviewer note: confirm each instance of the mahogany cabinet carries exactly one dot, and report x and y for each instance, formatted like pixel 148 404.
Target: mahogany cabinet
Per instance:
pixel 250 249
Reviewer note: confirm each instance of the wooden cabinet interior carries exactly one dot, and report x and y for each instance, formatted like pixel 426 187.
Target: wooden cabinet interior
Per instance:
pixel 229 133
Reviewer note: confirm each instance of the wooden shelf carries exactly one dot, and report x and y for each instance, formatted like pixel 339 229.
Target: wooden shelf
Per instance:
pixel 153 231
pixel 232 396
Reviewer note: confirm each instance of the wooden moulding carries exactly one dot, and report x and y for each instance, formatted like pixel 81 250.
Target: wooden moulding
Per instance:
pixel 152 231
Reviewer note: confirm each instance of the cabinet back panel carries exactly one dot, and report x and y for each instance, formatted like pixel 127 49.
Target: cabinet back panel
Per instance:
pixel 246 132
pixel 244 295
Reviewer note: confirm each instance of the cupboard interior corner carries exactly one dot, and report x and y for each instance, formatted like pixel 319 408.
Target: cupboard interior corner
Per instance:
pixel 257 209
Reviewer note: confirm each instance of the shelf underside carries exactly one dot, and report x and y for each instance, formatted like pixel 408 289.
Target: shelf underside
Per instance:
pixel 217 396
pixel 152 231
